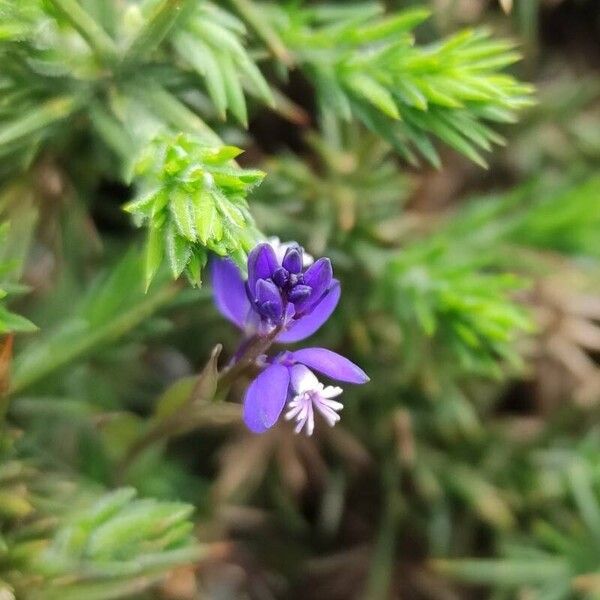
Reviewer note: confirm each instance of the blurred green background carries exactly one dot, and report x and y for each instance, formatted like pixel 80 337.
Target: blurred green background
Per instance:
pixel 444 155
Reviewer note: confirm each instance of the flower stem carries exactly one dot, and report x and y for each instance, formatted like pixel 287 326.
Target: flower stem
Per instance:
pixel 254 348
pixel 183 421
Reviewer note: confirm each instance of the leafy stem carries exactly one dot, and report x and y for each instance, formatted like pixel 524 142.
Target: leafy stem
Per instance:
pixel 209 385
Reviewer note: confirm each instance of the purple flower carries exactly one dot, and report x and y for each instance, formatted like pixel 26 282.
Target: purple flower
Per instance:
pixel 279 292
pixel 289 378
pixel 289 292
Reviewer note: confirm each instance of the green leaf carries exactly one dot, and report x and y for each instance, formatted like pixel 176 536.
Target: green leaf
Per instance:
pixel 220 155
pixel 207 218
pixel 195 265
pixel 233 90
pixel 228 210
pixel 197 202
pixel 153 30
pixel 369 89
pixel 154 253
pixel 390 26
pixel 202 59
pixel 410 94
pixel 375 60
pixel 253 15
pixel 112 542
pixel 13 323
pixel 178 251
pixel 169 109
pixel 37 119
pixel 105 508
pixel 331 93
pixel 256 78
pixel 145 204
pixel 174 397
pixel 89 28
pixel 180 206
pixel 504 572
pixel 113 133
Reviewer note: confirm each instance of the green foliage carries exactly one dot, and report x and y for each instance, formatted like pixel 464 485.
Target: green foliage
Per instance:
pixel 565 218
pixel 125 73
pixel 193 201
pixel 464 314
pixel 558 558
pixel 211 44
pixel 9 321
pixel 114 305
pixel 451 294
pixel 366 65
pixel 92 72
pixel 539 215
pixel 452 311
pixel 119 537
pixel 353 188
pixel 99 546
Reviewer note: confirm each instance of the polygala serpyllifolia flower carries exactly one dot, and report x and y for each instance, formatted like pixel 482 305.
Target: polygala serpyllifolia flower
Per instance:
pixel 289 379
pixel 280 292
pixel 289 295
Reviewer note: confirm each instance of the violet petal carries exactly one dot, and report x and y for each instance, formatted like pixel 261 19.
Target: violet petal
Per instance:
pixel 331 364
pixel 281 277
pixel 318 277
pixel 292 261
pixel 262 263
pixel 265 398
pixel 269 299
pixel 299 293
pixel 308 324
pixel 229 291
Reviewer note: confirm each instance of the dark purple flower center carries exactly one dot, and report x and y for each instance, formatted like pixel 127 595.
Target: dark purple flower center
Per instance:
pixel 299 293
pixel 282 289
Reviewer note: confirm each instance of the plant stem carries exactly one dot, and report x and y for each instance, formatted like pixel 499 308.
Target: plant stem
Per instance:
pixel 258 346
pixel 183 420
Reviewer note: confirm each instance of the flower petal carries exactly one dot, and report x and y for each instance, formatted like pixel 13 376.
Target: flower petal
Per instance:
pixel 309 323
pixel 292 261
pixel 269 299
pixel 265 398
pixel 331 364
pixel 303 379
pixel 229 291
pixel 318 278
pixel 299 293
pixel 262 263
pixel 319 275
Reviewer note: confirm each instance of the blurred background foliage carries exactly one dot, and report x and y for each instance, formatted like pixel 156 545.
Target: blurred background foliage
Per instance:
pixel 469 467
